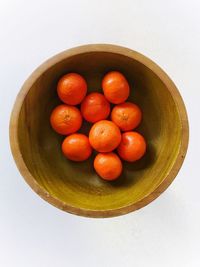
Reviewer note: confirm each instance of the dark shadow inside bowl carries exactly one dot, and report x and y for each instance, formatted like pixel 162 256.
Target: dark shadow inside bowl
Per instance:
pixel 76 184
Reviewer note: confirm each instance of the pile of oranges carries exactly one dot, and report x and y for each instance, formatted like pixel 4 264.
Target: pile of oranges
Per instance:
pixel 105 135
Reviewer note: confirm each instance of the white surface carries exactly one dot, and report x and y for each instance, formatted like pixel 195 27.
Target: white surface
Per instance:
pixel 166 232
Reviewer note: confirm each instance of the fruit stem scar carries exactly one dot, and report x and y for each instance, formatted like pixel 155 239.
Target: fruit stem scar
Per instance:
pixel 124 116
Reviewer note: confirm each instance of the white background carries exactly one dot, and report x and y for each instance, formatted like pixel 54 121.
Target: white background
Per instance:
pixel 166 232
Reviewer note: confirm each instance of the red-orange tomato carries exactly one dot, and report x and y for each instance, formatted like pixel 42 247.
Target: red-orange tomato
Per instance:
pixel 115 87
pixel 95 107
pixel 72 88
pixel 132 146
pixel 76 147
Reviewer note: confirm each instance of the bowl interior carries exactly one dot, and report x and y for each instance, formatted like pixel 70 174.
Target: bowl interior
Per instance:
pixel 76 184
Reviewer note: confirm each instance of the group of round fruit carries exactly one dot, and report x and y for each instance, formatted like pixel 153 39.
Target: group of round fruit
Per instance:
pixel 105 135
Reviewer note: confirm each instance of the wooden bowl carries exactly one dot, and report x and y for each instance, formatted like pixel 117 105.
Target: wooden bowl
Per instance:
pixel 75 187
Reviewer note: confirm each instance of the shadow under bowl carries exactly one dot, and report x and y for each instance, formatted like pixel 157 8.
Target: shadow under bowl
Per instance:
pixel 75 187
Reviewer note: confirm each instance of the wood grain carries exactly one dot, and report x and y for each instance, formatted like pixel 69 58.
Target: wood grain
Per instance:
pixel 74 187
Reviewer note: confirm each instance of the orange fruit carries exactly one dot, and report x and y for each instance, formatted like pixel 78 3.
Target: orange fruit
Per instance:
pixel 104 136
pixel 126 116
pixel 72 88
pixel 132 146
pixel 76 147
pixel 66 119
pixel 115 87
pixel 95 107
pixel 108 166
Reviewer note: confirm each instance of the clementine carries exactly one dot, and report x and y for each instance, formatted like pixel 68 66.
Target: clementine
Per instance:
pixel 72 88
pixel 115 87
pixel 76 147
pixel 132 146
pixel 95 107
pixel 66 119
pixel 108 166
pixel 104 136
pixel 126 116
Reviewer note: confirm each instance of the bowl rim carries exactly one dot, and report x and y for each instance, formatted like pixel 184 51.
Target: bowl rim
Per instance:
pixel 109 48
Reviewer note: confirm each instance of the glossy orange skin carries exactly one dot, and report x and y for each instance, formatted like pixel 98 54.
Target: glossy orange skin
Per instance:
pixel 95 107
pixel 72 88
pixel 132 146
pixel 108 166
pixel 104 136
pixel 127 116
pixel 115 87
pixel 66 119
pixel 76 147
